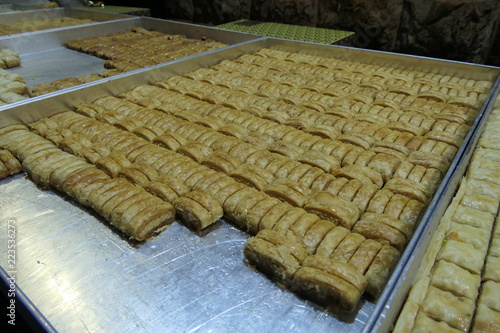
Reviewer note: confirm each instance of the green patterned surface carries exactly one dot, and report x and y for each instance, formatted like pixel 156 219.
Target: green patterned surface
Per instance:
pixel 117 10
pixel 287 31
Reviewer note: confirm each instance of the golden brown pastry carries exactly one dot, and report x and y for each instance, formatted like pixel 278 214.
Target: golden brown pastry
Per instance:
pixel 245 207
pixel 257 214
pixel 331 207
pixel 161 190
pixel 221 161
pixel 285 223
pixel 274 214
pixel 288 190
pixel 134 176
pixel 450 277
pixel 252 175
pixel 198 210
pixel 424 324
pixel 364 255
pixel 274 255
pixel 486 320
pixel 179 188
pixel 380 268
pixel 446 307
pixel 325 162
pixel 382 228
pixel 329 282
pixel 360 172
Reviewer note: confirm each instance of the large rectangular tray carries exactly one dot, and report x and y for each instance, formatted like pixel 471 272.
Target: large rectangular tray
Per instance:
pixel 79 274
pixel 45 59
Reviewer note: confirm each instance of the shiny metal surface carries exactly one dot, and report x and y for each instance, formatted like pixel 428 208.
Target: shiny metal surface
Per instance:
pixel 82 275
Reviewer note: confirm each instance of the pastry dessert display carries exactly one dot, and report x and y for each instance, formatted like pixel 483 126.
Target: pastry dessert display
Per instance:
pixel 42 24
pixel 328 164
pixel 9 59
pixel 12 87
pixel 458 286
pixel 128 51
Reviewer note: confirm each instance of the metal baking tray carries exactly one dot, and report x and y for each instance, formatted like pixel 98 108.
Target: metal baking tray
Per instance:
pixel 45 59
pixel 79 274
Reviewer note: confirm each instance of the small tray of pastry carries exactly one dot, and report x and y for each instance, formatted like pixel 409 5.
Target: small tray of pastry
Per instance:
pixel 63 58
pixel 322 168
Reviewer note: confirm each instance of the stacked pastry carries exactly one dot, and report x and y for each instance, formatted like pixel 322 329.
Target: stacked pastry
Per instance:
pixel 42 24
pixel 139 47
pixel 9 59
pixel 12 87
pixel 128 207
pixel 329 164
pixel 458 287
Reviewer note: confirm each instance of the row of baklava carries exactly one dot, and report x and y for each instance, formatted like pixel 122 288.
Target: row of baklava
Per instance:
pixel 246 206
pixel 332 93
pixel 118 113
pixel 357 68
pixel 128 207
pixel 439 137
pixel 235 156
pixel 140 47
pixel 458 287
pixel 383 104
pixel 294 87
pixel 42 24
pixel 388 159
